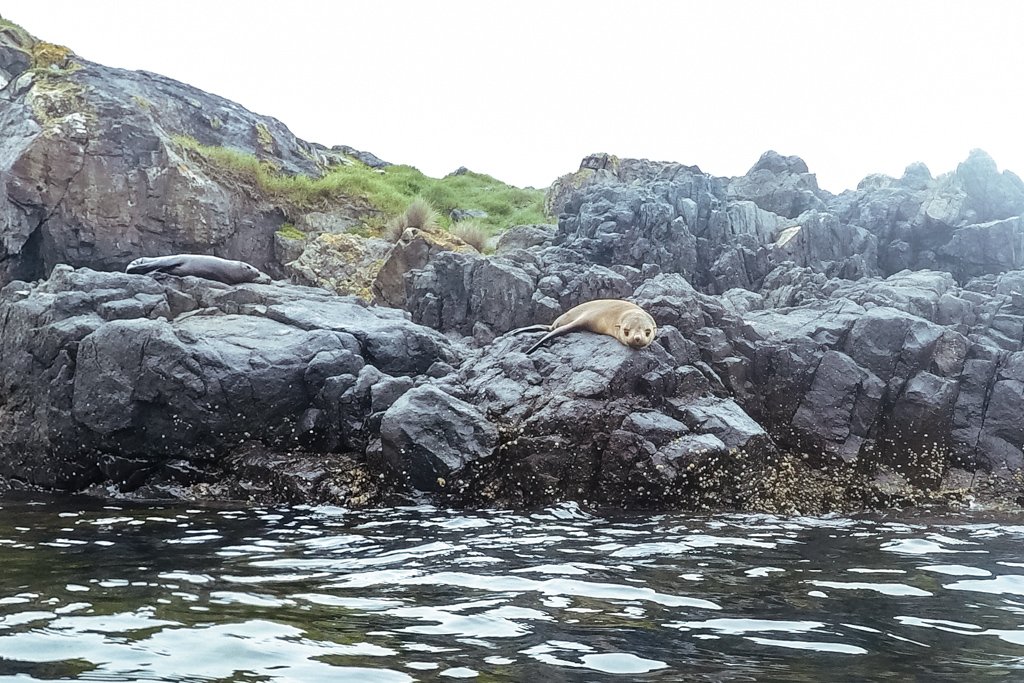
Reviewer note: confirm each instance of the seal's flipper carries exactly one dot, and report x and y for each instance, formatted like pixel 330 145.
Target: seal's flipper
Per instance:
pixel 557 332
pixel 159 264
pixel 531 328
pixel 145 268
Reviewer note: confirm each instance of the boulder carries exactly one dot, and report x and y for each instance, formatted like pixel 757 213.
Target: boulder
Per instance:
pixel 429 436
pixel 413 251
pixel 342 263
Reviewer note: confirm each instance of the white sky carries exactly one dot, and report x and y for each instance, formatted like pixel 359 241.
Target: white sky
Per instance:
pixel 524 89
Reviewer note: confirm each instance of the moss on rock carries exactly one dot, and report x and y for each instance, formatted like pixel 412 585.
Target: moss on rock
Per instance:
pixel 289 231
pixel 264 138
pixel 342 262
pixel 14 35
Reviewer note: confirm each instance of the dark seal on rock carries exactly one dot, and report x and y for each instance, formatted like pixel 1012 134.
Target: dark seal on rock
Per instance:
pixel 623 320
pixel 198 265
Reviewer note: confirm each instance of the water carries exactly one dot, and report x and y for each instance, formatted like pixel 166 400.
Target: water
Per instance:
pixel 116 593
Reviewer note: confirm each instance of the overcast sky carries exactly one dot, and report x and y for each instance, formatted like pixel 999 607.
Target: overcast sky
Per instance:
pixel 524 89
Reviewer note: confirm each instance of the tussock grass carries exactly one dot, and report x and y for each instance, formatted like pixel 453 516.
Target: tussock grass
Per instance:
pixel 419 214
pixel 394 228
pixel 390 190
pixel 472 232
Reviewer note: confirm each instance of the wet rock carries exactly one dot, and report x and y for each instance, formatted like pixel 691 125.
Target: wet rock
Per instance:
pixel 95 390
pixel 428 436
pixel 583 418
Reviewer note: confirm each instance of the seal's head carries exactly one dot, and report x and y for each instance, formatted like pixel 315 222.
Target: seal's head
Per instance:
pixel 253 274
pixel 636 329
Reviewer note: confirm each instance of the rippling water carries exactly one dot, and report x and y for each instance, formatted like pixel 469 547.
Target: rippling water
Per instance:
pixel 104 593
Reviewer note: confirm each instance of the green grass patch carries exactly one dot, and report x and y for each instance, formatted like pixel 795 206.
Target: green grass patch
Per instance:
pixel 289 231
pixel 389 190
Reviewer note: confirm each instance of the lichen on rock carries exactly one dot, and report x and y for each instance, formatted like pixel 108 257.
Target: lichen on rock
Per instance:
pixel 343 263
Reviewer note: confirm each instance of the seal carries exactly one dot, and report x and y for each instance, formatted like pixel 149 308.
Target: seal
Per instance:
pixel 624 320
pixel 199 265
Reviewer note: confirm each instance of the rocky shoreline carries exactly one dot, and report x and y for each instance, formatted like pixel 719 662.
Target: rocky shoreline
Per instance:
pixel 815 351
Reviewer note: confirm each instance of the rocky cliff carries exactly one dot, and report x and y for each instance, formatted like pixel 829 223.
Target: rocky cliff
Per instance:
pixel 814 351
pixel 101 165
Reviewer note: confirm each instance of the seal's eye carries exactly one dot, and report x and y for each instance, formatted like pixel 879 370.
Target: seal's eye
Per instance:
pixel 647 332
pixel 625 331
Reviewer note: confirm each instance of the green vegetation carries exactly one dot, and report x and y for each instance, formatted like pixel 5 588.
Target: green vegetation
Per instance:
pixel 264 137
pixel 389 190
pixel 472 233
pixel 47 55
pixel 419 214
pixel 289 231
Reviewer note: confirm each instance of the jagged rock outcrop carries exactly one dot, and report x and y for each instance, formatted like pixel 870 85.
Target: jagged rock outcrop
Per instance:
pixel 892 378
pixel 908 377
pixel 109 376
pixel 814 351
pixel 913 364
pixel 780 185
pixel 586 418
pixel 964 222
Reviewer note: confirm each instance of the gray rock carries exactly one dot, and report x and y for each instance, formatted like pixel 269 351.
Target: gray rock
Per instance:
pixel 585 417
pixel 371 160
pixel 428 435
pixel 524 237
pixel 104 376
pixel 879 332
pixel 781 185
pixel 457 215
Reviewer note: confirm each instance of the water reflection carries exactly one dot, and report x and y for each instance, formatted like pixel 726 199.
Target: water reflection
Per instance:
pixel 108 593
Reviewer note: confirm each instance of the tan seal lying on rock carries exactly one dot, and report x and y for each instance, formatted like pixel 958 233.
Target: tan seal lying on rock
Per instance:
pixel 624 320
pixel 199 265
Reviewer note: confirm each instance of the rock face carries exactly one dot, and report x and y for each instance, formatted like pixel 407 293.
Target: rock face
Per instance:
pixel 124 378
pixel 412 251
pixel 814 351
pixel 590 419
pixel 343 263
pixel 774 295
pixel 97 167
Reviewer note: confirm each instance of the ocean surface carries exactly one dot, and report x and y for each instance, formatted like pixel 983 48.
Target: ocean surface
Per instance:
pixel 97 592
